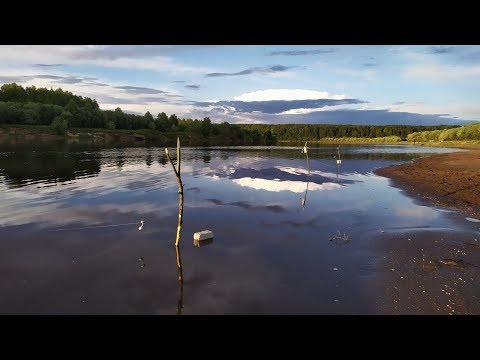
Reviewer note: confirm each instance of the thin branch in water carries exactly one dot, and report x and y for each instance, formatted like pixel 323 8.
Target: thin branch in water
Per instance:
pixel 180 282
pixel 180 189
pixel 305 151
pixel 304 199
pixel 179 225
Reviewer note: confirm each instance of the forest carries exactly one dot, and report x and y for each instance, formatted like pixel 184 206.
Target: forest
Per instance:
pixel 469 132
pixel 315 132
pixel 62 111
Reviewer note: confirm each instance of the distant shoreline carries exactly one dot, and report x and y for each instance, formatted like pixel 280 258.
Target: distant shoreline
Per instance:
pixel 450 180
pixel 27 133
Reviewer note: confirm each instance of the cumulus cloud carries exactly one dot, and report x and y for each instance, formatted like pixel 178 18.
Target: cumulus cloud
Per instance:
pixel 254 70
pixel 287 94
pixel 301 52
pixel 278 185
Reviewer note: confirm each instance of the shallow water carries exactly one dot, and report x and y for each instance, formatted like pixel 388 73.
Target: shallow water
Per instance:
pixel 70 244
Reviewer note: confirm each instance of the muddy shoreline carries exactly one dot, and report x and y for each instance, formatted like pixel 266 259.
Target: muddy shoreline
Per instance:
pixel 449 180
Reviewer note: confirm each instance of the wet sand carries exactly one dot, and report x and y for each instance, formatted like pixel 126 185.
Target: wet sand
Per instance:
pixel 431 272
pixel 434 271
pixel 450 180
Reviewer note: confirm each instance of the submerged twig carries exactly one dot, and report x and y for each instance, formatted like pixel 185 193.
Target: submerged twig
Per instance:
pixel 341 238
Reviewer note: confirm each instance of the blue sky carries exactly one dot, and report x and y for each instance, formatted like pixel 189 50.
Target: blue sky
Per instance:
pixel 375 84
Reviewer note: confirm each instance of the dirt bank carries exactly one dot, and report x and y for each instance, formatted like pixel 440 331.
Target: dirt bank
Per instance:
pixel 451 180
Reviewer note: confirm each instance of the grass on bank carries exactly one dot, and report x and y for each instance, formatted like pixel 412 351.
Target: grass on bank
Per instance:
pixel 353 140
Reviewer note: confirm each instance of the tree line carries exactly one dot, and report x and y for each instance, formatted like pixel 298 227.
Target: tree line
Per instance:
pixel 469 132
pixel 314 132
pixel 63 110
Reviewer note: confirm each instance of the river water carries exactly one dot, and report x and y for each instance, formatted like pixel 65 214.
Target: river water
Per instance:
pixel 286 240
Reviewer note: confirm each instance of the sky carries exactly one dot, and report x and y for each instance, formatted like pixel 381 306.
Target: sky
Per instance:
pixel 349 84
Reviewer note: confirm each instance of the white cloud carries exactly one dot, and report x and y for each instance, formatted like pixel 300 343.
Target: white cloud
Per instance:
pixel 277 186
pixel 443 72
pixel 213 177
pixel 90 55
pixel 463 111
pixel 312 110
pixel 419 212
pixel 287 94
pixel 300 111
pixel 299 171
pixel 154 108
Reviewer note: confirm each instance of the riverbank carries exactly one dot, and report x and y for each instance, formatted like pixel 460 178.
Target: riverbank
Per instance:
pixel 391 140
pixel 20 134
pixel 450 180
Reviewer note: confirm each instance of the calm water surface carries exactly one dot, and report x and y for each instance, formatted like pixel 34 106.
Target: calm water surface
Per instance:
pixel 70 244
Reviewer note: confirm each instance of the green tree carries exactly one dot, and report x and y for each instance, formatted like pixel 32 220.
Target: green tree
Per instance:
pixel 110 125
pixel 162 122
pixel 60 123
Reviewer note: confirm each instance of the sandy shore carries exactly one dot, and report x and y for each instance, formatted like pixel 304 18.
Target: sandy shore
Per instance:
pixel 429 272
pixel 450 180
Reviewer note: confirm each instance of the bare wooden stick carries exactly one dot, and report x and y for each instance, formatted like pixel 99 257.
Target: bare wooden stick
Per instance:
pixel 306 153
pixel 178 155
pixel 180 190
pixel 179 225
pixel 304 199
